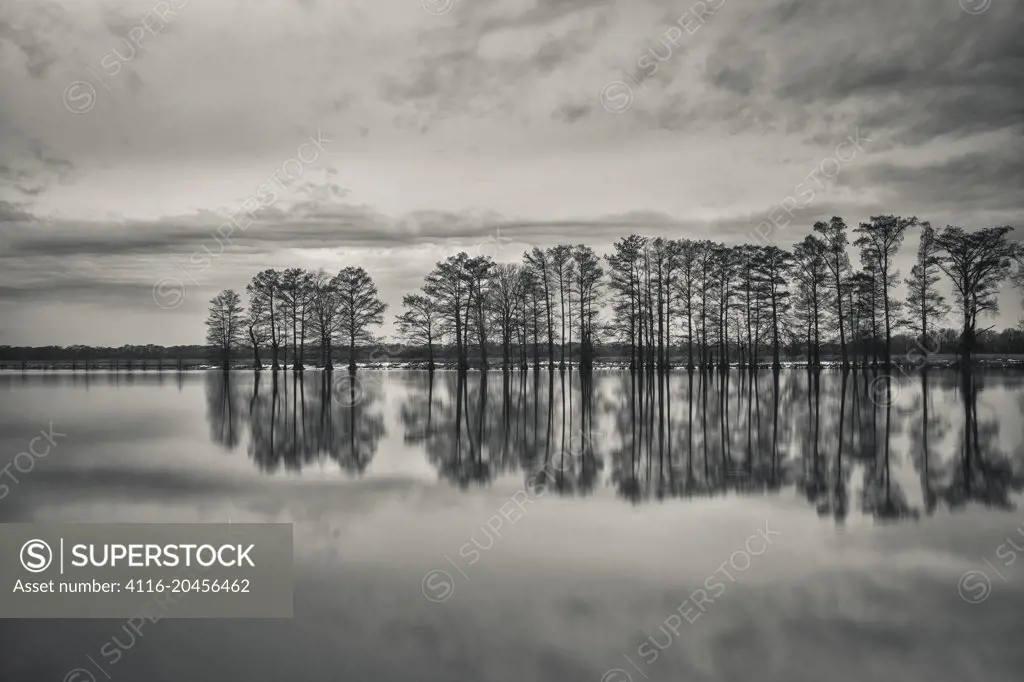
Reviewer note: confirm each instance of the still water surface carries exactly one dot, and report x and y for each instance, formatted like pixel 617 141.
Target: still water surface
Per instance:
pixel 547 527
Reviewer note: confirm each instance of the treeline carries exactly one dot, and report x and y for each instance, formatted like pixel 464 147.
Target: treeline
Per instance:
pixel 82 353
pixel 663 301
pixel 944 341
pixel 101 357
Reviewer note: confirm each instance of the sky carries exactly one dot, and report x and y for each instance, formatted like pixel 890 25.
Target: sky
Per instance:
pixel 155 152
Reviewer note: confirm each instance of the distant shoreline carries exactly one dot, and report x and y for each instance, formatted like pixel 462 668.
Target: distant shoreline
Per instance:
pixel 940 361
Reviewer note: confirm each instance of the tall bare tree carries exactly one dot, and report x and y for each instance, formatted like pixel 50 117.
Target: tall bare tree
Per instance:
pixel 833 235
pixel 773 268
pixel 477 273
pixel 626 282
pixel 687 289
pixel 225 325
pixel 540 262
pixel 447 286
pixel 359 307
pixel 504 292
pixel 587 291
pixel 257 324
pixel 265 286
pixel 324 302
pixel 420 323
pixel 293 289
pixel 927 305
pixel 705 269
pixel 881 239
pixel 977 263
pixel 811 274
pixel 561 262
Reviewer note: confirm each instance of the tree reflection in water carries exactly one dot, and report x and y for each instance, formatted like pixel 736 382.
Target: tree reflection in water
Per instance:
pixel 299 420
pixel 832 436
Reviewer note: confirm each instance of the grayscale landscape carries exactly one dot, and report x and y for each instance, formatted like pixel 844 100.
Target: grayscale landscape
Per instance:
pixel 598 340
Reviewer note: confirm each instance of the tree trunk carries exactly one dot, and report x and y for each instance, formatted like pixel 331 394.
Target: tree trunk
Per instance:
pixel 302 342
pixel 257 365
pixel 775 332
pixel 274 340
pixel 885 305
pixel 842 322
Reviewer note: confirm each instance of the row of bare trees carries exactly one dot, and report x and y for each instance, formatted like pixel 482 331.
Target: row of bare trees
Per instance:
pixel 550 299
pixel 297 305
pixel 664 301
pixel 718 304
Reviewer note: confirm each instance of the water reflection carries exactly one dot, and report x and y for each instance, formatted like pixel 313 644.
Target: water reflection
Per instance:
pixel 985 472
pixel 898 447
pixel 296 421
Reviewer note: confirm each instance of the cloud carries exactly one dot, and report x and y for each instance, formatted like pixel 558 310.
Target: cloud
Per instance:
pixel 33 27
pixel 919 69
pixel 452 128
pixel 972 182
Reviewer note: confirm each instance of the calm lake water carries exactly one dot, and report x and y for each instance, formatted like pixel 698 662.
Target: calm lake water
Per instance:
pixel 704 527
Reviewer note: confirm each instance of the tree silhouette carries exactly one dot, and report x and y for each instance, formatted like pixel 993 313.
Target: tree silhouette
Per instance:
pixel 359 307
pixel 926 304
pixel 879 241
pixel 420 324
pixel 325 305
pixel 976 263
pixel 656 301
pixel 833 234
pixel 225 325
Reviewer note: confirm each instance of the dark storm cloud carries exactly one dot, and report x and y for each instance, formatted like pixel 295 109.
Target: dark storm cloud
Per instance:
pixel 976 181
pixel 325 227
pixel 923 69
pixel 113 264
pixel 69 281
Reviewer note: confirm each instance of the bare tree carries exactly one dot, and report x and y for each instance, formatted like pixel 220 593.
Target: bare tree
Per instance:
pixel 265 286
pixel 540 262
pixel 324 304
pixel 504 292
pixel 294 291
pixel 811 273
pixel 625 266
pixel 257 324
pixel 359 307
pixel 773 268
pixel 927 305
pixel 477 273
pixel 561 261
pixel 881 240
pixel 420 323
pixel 447 286
pixel 705 268
pixel 833 235
pixel 977 263
pixel 588 280
pixel 687 290
pixel 225 325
